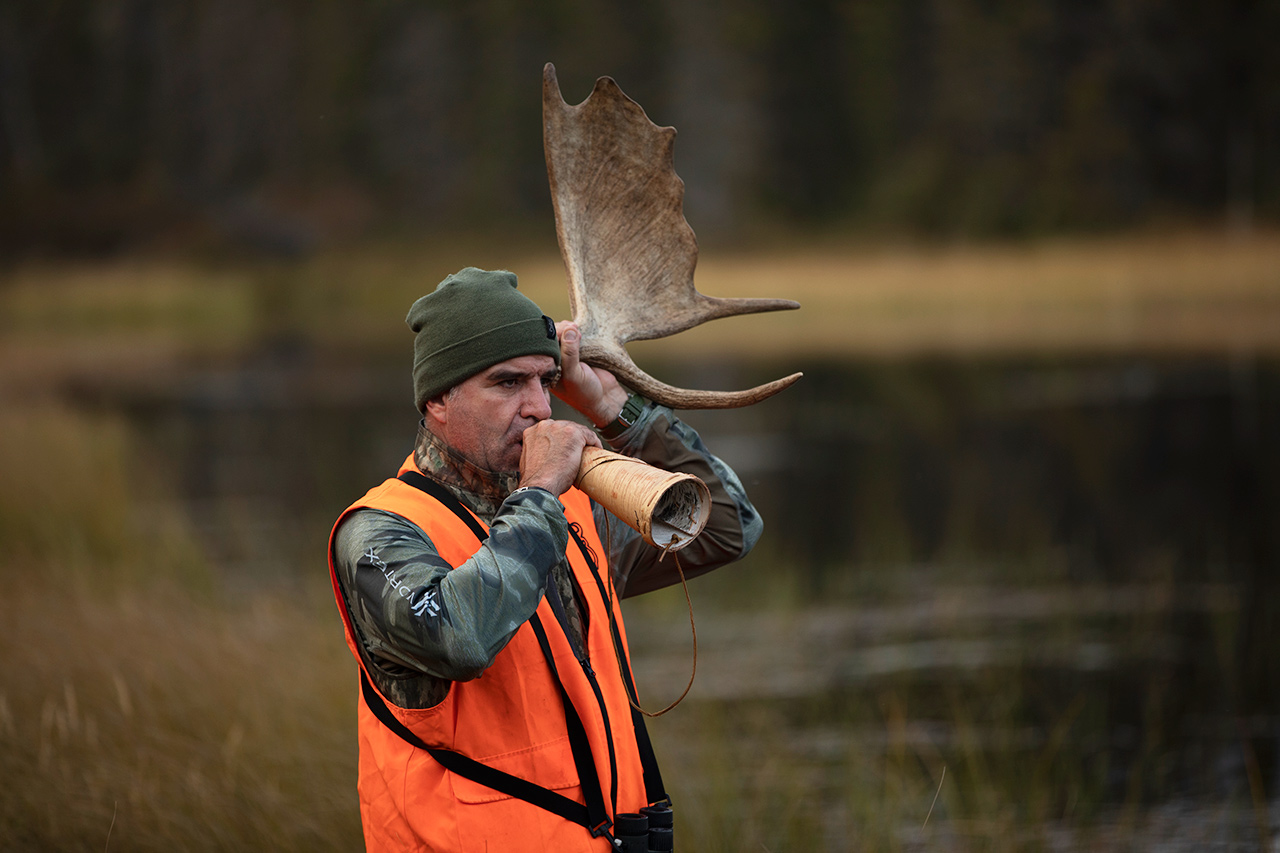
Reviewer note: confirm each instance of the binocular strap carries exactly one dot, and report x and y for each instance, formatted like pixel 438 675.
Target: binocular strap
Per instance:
pixel 456 762
pixel 654 790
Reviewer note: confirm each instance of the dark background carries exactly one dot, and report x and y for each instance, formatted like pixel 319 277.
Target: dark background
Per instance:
pixel 282 124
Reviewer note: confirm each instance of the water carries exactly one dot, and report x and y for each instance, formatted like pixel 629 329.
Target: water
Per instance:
pixel 1057 579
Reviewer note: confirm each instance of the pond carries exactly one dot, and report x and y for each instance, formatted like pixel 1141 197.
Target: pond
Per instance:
pixel 1045 589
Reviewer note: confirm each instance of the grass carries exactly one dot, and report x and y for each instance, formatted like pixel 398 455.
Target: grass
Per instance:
pixel 139 708
pixel 154 721
pixel 1198 291
pixel 1185 292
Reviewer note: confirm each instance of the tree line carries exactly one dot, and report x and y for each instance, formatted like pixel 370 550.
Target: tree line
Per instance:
pixel 984 117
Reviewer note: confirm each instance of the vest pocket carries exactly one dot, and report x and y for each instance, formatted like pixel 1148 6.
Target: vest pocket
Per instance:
pixel 549 765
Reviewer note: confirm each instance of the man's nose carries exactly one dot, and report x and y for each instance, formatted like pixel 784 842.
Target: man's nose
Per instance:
pixel 536 403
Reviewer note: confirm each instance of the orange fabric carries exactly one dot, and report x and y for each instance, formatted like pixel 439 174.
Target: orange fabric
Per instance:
pixel 510 718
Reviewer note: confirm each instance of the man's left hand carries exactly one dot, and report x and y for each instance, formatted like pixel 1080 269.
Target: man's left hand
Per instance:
pixel 592 391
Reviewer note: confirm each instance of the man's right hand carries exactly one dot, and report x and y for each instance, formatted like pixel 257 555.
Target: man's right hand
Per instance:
pixel 552 454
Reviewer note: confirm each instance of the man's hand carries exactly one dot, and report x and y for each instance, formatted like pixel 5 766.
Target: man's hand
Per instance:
pixel 552 454
pixel 592 391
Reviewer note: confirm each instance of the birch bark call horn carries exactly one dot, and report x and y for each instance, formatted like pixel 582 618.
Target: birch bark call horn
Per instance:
pixel 667 508
pixel 627 248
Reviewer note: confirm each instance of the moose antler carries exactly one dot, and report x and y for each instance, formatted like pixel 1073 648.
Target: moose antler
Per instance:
pixel 626 245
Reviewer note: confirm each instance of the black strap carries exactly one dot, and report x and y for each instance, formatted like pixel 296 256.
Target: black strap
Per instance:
pixel 468 768
pixel 655 790
pixel 578 743
pixel 446 497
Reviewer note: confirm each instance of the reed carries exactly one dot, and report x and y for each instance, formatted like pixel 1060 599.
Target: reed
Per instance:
pixel 139 708
pixel 148 721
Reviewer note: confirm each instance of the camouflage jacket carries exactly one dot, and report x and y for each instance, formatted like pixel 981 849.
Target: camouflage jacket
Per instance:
pixel 457 619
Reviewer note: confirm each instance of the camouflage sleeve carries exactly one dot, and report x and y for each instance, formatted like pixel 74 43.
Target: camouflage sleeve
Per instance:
pixel 416 615
pixel 734 527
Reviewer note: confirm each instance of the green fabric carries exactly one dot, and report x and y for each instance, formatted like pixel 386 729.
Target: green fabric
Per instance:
pixel 473 320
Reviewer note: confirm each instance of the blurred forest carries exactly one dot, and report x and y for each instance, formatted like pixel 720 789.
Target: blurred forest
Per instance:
pixel 1023 501
pixel 282 125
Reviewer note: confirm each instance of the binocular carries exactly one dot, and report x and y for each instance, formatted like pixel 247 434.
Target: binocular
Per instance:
pixel 650 831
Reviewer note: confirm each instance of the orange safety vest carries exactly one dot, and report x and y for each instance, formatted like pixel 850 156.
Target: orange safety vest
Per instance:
pixel 516 718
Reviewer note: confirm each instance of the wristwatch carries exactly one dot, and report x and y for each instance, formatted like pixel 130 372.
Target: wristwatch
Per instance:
pixel 629 415
pixel 529 489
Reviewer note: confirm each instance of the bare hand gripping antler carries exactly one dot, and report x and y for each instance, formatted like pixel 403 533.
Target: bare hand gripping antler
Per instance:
pixel 626 245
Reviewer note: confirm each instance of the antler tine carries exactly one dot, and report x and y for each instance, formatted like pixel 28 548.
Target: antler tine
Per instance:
pixel 681 398
pixel 628 251
pixel 715 307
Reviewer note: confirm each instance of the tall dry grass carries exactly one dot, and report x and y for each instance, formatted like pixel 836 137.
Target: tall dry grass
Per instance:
pixel 1209 292
pixel 1200 291
pixel 139 708
pixel 149 721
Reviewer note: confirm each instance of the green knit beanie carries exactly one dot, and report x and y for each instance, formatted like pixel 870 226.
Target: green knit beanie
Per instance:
pixel 473 320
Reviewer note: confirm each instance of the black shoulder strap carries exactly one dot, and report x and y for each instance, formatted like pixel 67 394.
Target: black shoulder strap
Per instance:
pixel 655 791
pixel 426 484
pixel 583 761
pixel 468 768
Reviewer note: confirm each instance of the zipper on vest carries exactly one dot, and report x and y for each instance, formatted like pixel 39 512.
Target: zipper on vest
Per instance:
pixel 608 730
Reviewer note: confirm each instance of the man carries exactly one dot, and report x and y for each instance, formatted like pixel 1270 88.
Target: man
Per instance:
pixel 479 589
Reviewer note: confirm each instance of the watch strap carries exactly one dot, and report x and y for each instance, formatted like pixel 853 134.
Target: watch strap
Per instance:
pixel 629 415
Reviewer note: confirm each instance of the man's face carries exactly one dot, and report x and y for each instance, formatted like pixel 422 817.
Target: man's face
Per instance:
pixel 485 417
